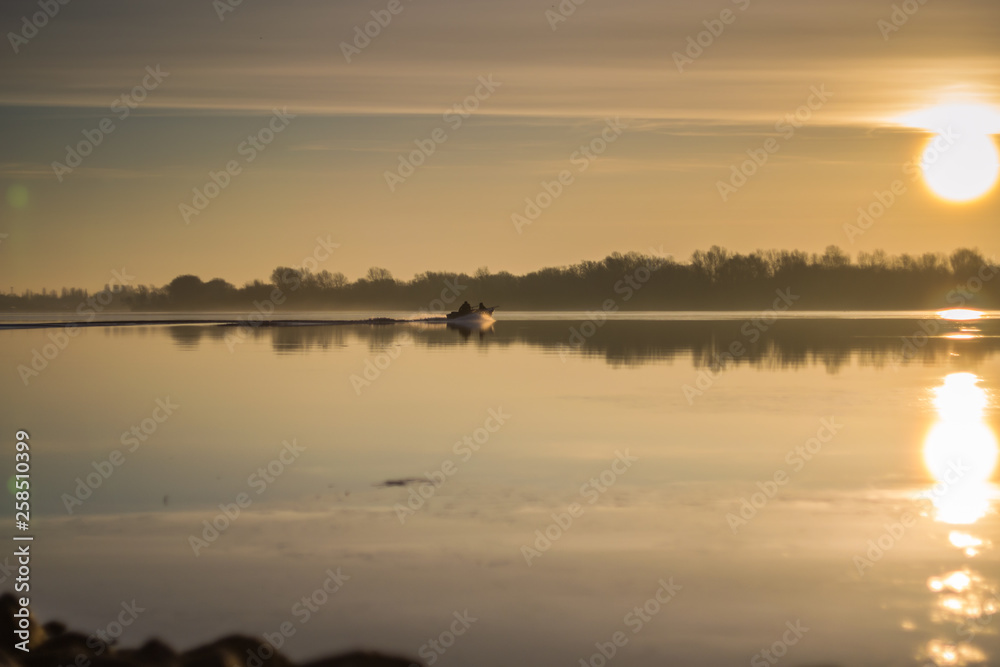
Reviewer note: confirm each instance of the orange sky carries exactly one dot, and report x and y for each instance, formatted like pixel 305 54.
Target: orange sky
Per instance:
pixel 536 89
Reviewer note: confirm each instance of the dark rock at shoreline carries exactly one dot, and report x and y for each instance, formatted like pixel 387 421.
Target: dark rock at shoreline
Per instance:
pixel 152 653
pixel 55 646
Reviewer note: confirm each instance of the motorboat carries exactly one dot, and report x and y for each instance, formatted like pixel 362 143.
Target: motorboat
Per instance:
pixel 473 316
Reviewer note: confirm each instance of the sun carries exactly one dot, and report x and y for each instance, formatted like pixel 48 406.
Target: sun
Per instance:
pixel 961 162
pixel 965 170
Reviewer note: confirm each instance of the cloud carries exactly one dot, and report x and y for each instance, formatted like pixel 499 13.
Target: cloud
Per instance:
pixel 604 59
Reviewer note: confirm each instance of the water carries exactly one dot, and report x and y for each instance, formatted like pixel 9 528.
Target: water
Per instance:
pixel 583 470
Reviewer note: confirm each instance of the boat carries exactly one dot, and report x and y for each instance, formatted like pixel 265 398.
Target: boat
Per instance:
pixel 475 315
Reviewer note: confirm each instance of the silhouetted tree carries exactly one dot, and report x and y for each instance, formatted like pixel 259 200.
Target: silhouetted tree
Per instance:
pixel 377 274
pixel 186 288
pixel 965 262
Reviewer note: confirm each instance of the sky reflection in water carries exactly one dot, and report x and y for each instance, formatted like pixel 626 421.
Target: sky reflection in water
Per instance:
pixel 909 404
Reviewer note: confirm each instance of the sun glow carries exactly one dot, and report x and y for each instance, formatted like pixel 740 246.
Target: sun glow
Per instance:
pixel 959 314
pixel 961 162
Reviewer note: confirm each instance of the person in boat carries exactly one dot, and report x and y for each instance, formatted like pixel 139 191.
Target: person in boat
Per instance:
pixel 464 309
pixel 481 306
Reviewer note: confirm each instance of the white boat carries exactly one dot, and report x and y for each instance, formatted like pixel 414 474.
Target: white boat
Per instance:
pixel 477 315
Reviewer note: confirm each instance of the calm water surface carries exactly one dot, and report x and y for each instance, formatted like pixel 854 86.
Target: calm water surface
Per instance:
pixel 831 475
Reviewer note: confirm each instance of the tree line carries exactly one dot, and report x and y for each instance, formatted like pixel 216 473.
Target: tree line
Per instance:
pixel 713 279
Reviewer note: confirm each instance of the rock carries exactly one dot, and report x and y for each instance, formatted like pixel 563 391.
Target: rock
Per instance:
pixel 54 628
pixel 8 661
pixel 235 651
pixel 153 653
pixel 53 645
pixel 363 659
pixel 64 649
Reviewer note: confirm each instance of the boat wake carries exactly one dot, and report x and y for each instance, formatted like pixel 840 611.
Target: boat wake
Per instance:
pixel 241 322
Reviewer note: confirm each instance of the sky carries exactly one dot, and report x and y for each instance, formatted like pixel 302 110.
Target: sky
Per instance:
pixel 511 135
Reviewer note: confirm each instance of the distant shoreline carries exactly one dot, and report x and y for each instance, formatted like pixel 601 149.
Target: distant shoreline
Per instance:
pixel 254 320
pixel 716 279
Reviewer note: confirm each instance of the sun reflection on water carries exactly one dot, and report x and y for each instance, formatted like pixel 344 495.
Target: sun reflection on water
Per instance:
pixel 968 543
pixel 960 314
pixel 956 581
pixel 960 452
pixel 945 654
